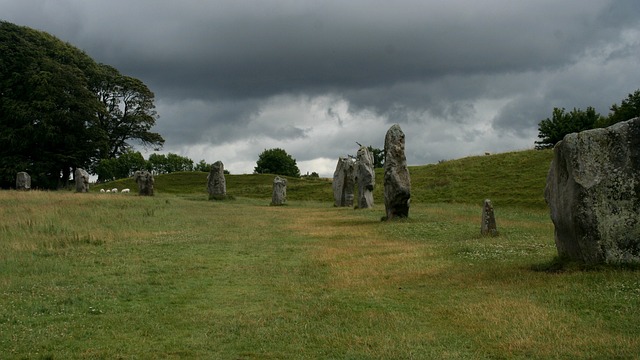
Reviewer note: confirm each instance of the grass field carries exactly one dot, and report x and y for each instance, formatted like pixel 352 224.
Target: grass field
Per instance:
pixel 175 276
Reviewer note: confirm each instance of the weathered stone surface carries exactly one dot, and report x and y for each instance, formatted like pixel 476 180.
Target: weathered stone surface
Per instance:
pixel 365 177
pixel 81 178
pixel 344 182
pixel 397 182
pixel 216 183
pixel 593 193
pixel 145 182
pixel 23 181
pixel 279 196
pixel 488 225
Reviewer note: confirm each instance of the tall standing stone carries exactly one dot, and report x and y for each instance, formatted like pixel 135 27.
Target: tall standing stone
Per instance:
pixel 216 183
pixel 279 196
pixel 81 178
pixel 344 182
pixel 145 182
pixel 397 182
pixel 365 177
pixel 593 193
pixel 23 181
pixel 488 225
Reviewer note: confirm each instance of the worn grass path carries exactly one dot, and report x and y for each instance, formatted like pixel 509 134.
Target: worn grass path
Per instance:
pixel 95 276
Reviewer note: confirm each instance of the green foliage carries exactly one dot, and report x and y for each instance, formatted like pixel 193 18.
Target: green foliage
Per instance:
pixel 60 110
pixel 127 114
pixel 47 112
pixel 276 161
pixel 202 166
pixel 378 157
pixel 551 130
pixel 170 163
pixel 121 167
pixel 628 109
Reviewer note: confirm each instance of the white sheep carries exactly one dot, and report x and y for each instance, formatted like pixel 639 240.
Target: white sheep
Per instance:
pixel 101 190
pixel 125 190
pixel 114 190
pixel 108 191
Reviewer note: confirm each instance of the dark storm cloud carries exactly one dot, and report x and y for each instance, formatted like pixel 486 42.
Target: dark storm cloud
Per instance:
pixel 219 68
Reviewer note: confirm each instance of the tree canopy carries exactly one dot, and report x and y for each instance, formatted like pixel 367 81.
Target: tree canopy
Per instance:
pixel 276 161
pixel 60 110
pixel 551 130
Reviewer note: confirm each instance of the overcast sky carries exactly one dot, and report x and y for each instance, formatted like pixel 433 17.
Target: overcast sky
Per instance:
pixel 233 78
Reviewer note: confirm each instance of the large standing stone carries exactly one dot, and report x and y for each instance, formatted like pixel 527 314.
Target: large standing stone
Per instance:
pixel 344 182
pixel 23 181
pixel 145 182
pixel 593 193
pixel 365 177
pixel 279 196
pixel 488 225
pixel 397 183
pixel 81 178
pixel 216 183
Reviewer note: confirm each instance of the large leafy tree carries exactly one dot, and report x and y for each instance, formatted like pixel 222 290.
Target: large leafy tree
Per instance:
pixel 60 110
pixel 128 112
pixel 47 109
pixel 276 161
pixel 551 130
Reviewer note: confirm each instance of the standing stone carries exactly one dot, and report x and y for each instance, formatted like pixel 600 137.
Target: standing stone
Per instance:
pixel 279 196
pixel 145 182
pixel 23 181
pixel 216 184
pixel 488 226
pixel 365 177
pixel 344 182
pixel 593 193
pixel 81 178
pixel 397 183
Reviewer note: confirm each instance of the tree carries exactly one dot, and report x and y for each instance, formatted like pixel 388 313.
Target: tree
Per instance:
pixel 202 166
pixel 47 110
pixel 378 156
pixel 165 164
pixel 121 167
pixel 561 123
pixel 276 161
pixel 628 109
pixel 127 113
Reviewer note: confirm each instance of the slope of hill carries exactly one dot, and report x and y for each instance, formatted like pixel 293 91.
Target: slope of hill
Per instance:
pixel 508 179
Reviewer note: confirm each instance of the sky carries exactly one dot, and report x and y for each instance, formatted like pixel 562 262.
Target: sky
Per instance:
pixel 461 77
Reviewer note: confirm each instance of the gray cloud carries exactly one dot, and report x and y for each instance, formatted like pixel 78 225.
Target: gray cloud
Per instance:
pixel 260 73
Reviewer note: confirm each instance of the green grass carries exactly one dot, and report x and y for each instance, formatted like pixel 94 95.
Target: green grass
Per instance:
pixel 508 179
pixel 177 276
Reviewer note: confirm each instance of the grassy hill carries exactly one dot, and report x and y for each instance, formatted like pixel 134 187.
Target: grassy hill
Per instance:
pixel 508 179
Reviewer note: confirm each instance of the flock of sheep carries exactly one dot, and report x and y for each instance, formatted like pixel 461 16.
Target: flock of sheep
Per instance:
pixel 115 190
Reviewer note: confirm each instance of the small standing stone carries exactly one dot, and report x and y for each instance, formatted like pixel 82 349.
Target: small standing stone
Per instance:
pixel 397 182
pixel 145 182
pixel 279 196
pixel 23 181
pixel 216 183
pixel 344 182
pixel 365 177
pixel 488 226
pixel 81 178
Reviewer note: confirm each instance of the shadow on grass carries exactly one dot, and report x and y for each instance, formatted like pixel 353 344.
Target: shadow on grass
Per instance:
pixel 560 265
